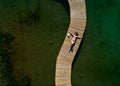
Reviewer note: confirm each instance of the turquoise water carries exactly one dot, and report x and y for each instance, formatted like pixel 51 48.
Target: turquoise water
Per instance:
pixel 39 27
pixel 97 61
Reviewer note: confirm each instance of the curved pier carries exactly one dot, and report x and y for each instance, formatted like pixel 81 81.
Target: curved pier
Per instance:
pixel 65 59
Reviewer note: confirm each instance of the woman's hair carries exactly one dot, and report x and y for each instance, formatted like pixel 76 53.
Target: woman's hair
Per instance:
pixel 76 33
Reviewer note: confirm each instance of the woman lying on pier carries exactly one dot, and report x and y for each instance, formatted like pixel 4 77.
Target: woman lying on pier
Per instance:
pixel 73 41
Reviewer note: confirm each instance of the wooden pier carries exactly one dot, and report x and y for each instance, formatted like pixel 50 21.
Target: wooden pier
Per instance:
pixel 65 59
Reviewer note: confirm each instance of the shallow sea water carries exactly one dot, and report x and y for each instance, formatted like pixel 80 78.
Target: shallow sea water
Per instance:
pixel 38 37
pixel 38 42
pixel 97 61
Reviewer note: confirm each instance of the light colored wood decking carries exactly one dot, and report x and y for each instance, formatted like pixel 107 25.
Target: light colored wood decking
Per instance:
pixel 65 59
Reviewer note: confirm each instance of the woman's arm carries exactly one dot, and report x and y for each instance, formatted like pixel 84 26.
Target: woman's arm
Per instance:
pixel 71 34
pixel 79 37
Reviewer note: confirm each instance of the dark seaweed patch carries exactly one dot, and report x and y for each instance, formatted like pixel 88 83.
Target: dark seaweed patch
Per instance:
pixel 29 16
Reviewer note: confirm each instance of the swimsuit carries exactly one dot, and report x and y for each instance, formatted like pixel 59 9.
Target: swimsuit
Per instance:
pixel 74 39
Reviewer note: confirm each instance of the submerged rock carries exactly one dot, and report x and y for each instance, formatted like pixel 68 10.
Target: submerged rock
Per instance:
pixel 51 42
